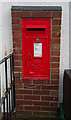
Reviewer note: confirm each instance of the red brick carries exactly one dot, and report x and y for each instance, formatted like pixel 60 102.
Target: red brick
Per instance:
pixel 55 53
pixel 38 92
pixel 53 103
pixel 53 113
pixel 48 98
pixel 31 97
pixel 54 93
pixel 39 81
pixel 32 87
pixel 24 91
pixel 26 14
pixel 18 83
pixel 19 107
pixel 50 87
pixel 17 51
pixel 16 27
pixel 56 28
pixel 17 37
pixel 15 20
pixel 48 109
pixel 55 71
pixel 47 82
pixel 40 103
pixel 17 75
pixel 17 86
pixel 17 40
pixel 27 81
pixel 56 22
pixel 32 108
pixel 17 57
pixel 55 47
pixel 41 14
pixel 17 63
pixel 16 14
pixel 23 102
pixel 55 41
pixel 54 65
pixel 17 69
pixel 19 97
pixel 55 59
pixel 54 76
pixel 56 34
pixel 56 14
pixel 40 114
pixel 17 80
pixel 17 33
pixel 23 114
pixel 55 82
pixel 17 45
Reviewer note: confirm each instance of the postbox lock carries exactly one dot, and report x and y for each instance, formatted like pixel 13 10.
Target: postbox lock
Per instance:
pixel 37 39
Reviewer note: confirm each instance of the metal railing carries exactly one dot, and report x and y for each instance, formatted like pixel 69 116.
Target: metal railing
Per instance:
pixel 8 95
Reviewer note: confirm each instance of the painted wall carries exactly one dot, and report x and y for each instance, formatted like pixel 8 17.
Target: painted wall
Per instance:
pixel 6 30
pixel 70 35
pixel 0 49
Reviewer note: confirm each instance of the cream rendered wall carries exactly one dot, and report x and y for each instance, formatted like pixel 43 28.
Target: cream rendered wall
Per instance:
pixel 64 47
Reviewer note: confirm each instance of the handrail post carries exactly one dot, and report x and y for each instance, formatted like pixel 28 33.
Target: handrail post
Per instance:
pixel 9 99
pixel 3 100
pixel 13 78
pixel 6 81
pixel 4 108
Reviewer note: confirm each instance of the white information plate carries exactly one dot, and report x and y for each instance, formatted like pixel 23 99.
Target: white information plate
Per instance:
pixel 37 49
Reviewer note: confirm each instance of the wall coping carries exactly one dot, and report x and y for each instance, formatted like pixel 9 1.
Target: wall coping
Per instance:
pixel 36 8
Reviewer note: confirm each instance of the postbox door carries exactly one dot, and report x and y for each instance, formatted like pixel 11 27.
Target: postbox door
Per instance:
pixel 36 57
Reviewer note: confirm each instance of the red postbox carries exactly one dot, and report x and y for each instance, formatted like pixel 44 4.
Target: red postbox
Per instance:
pixel 36 34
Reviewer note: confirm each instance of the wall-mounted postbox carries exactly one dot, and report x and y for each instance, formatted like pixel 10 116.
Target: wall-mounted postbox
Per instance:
pixel 36 47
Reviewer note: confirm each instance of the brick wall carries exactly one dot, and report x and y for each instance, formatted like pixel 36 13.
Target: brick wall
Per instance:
pixel 36 98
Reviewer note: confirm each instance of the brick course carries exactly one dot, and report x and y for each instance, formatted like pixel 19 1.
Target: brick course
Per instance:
pixel 37 98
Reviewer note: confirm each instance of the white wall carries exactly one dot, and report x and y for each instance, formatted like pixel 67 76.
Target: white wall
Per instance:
pixel 0 30
pixel 0 49
pixel 70 35
pixel 64 48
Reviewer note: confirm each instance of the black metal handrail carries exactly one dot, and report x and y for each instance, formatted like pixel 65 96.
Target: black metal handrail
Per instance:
pixel 9 94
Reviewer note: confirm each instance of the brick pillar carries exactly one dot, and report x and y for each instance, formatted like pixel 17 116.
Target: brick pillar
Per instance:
pixel 36 98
